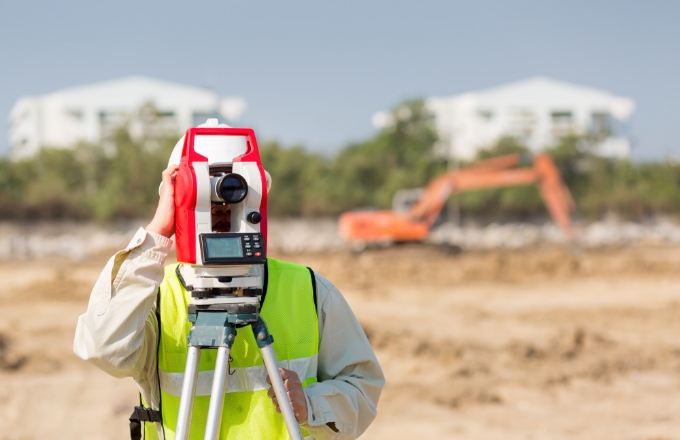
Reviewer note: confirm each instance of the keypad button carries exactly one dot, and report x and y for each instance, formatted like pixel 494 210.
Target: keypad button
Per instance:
pixel 246 238
pixel 250 254
pixel 256 238
pixel 257 246
pixel 258 254
pixel 248 246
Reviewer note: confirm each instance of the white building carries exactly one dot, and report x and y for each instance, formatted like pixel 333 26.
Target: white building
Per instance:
pixel 90 112
pixel 537 110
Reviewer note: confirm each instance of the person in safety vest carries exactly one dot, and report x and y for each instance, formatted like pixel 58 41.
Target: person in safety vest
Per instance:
pixel 136 325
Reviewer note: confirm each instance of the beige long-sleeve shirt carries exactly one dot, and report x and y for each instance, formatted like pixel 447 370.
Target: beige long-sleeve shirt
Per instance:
pixel 118 333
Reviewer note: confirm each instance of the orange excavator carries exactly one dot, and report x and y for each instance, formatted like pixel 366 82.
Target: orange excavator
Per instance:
pixel 415 211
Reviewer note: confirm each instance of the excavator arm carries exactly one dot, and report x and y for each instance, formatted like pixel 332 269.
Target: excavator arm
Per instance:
pixel 499 172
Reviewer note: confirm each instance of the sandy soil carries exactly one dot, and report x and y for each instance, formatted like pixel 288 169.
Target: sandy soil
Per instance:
pixel 540 344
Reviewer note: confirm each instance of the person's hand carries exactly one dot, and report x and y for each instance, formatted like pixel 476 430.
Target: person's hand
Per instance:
pixel 163 222
pixel 296 394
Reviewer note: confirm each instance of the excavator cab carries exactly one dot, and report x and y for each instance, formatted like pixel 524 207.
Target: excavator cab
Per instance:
pixel 405 199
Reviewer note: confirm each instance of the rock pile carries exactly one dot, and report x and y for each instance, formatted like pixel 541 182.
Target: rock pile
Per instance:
pixel 78 241
pixel 521 235
pixel 72 240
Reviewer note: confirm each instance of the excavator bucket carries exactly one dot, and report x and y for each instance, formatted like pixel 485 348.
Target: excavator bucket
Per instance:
pixel 555 193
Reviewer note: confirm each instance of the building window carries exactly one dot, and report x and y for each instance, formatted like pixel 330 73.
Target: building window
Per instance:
pixel 75 114
pixel 601 125
pixel 562 123
pixel 485 114
pixel 522 124
pixel 111 121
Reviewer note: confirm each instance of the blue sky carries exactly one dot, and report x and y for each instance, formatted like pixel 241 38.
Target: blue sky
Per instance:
pixel 314 72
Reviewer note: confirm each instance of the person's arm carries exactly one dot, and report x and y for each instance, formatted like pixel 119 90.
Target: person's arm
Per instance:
pixel 111 333
pixel 118 332
pixel 344 402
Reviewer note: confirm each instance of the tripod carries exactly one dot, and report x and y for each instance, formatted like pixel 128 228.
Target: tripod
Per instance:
pixel 214 326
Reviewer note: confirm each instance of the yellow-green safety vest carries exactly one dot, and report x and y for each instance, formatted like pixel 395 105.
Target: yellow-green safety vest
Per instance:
pixel 289 311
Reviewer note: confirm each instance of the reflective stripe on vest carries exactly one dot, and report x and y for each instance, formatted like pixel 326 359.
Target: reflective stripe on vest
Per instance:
pixel 240 379
pixel 290 314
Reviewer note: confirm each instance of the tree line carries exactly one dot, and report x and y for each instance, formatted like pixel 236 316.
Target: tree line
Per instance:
pixel 119 178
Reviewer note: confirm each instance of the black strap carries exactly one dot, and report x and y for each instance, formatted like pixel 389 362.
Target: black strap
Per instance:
pixel 135 426
pixel 311 272
pixel 158 353
pixel 139 415
pixel 265 284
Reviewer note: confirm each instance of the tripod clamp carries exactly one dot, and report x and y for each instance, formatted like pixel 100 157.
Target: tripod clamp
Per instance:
pixel 214 325
pixel 262 335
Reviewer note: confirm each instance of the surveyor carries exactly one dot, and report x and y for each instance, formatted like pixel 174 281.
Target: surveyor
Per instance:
pixel 333 384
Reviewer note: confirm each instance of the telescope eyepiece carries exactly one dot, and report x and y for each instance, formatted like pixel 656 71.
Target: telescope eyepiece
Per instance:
pixel 232 188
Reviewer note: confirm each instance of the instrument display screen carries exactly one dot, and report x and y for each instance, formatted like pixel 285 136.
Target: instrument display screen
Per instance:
pixel 233 248
pixel 224 247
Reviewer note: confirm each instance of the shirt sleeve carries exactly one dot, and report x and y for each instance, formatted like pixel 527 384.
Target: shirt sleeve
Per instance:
pixel 118 332
pixel 343 403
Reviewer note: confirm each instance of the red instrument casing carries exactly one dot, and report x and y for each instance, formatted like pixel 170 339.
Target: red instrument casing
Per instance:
pixel 187 188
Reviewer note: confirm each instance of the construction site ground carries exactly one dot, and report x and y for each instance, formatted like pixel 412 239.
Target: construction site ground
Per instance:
pixel 548 343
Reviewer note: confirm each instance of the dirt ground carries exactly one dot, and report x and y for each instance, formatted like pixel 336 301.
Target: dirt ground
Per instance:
pixel 534 344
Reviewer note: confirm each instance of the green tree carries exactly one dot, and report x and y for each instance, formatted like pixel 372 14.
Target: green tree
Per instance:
pixel 85 182
pixel 297 179
pixel 400 156
pixel 119 178
pixel 127 181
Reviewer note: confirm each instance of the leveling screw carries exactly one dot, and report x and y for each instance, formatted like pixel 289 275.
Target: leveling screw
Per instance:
pixel 261 336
